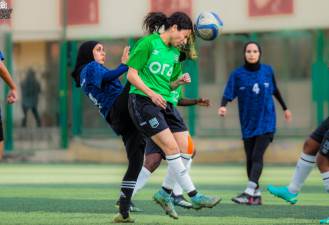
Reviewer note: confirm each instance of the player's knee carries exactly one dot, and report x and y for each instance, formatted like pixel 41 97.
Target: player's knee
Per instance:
pixel 311 147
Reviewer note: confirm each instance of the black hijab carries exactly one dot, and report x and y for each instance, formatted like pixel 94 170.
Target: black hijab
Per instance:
pixel 85 56
pixel 252 66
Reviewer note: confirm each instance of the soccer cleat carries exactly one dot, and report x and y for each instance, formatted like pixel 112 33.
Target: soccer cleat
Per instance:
pixel 324 221
pixel 283 193
pixel 132 207
pixel 165 201
pixel 118 218
pixel 256 200
pixel 203 201
pixel 243 198
pixel 179 200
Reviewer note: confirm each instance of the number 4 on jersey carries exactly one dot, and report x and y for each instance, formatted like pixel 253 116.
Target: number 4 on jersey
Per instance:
pixel 256 88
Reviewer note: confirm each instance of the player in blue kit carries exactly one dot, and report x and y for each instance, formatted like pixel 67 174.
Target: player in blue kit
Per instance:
pixel 104 89
pixel 254 85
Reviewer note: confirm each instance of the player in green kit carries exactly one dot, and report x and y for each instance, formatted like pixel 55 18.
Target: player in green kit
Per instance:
pixel 154 71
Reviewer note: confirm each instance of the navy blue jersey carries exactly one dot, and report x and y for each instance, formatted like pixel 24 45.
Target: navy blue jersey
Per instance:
pixel 102 85
pixel 254 90
pixel 1 56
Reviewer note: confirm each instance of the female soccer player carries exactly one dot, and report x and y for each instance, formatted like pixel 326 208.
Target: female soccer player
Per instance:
pixel 11 98
pixel 254 84
pixel 154 155
pixel 154 71
pixel 104 89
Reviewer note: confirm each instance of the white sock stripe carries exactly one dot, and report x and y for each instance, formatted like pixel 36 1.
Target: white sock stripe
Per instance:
pixel 307 158
pixel 307 161
pixel 129 182
pixel 172 157
pixel 125 186
pixel 186 156
pixel 128 187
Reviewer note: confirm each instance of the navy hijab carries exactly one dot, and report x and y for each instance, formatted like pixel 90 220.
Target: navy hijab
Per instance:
pixel 252 66
pixel 85 56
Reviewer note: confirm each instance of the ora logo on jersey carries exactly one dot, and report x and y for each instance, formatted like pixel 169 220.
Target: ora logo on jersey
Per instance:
pixel 163 69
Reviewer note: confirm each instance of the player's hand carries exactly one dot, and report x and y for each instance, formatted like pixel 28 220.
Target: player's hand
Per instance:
pixel 287 115
pixel 12 96
pixel 222 111
pixel 203 102
pixel 158 100
pixel 184 79
pixel 125 55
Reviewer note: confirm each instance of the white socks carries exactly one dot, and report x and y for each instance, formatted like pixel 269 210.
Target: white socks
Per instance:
pixel 142 179
pixel 187 161
pixel 177 172
pixel 325 178
pixel 303 168
pixel 251 188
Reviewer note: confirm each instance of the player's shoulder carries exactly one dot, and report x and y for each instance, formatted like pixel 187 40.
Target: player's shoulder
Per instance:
pixel 266 67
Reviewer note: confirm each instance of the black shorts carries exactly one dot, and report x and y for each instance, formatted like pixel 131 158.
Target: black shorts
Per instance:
pixel 151 119
pixel 151 147
pixel 324 147
pixel 320 132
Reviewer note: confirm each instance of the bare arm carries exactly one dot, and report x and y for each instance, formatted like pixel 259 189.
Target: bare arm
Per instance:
pixel 4 73
pixel 184 79
pixel 189 102
pixel 135 80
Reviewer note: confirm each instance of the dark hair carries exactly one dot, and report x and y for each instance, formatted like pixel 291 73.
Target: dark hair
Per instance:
pixel 85 56
pixel 154 21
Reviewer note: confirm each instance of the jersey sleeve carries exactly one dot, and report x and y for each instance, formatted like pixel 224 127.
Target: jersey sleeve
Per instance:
pixel 230 89
pixel 140 54
pixel 2 58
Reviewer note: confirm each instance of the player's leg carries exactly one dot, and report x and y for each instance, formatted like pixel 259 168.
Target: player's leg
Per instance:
pixel 152 160
pixel 249 144
pixel 323 165
pixel 323 161
pixel 177 194
pixel 304 166
pixel 180 133
pixel 135 155
pixel 261 144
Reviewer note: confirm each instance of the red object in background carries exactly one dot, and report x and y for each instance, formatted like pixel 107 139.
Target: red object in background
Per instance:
pixel 81 12
pixel 170 6
pixel 8 21
pixel 270 7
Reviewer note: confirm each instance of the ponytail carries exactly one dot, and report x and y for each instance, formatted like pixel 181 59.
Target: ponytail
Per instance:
pixel 154 21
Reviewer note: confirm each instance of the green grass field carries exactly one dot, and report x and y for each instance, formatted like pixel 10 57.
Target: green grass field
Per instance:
pixel 86 194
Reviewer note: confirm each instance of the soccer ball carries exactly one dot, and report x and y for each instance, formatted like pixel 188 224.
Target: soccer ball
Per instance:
pixel 208 26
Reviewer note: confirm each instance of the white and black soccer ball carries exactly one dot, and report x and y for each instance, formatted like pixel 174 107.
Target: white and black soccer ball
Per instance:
pixel 208 26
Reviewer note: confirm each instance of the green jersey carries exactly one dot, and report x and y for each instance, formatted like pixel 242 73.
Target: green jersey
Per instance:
pixel 157 65
pixel 176 95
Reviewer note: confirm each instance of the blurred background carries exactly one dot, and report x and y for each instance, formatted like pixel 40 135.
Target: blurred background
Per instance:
pixel 53 121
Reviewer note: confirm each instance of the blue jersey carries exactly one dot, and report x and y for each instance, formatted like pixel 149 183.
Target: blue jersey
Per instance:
pixel 102 85
pixel 1 56
pixel 254 90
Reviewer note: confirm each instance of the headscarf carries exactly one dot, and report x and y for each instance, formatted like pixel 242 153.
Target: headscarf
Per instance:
pixel 85 56
pixel 248 65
